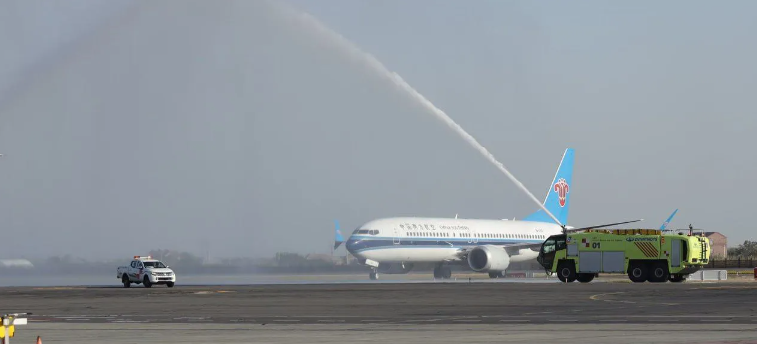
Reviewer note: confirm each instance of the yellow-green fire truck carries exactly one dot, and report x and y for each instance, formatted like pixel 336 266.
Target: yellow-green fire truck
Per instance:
pixel 644 254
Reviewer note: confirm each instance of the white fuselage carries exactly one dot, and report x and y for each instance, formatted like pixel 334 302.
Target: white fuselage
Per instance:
pixel 421 240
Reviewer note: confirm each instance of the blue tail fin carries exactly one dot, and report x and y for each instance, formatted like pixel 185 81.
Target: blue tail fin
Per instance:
pixel 558 196
pixel 667 222
pixel 338 238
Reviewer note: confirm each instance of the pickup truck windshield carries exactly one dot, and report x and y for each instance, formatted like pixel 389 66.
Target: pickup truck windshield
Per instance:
pixel 154 265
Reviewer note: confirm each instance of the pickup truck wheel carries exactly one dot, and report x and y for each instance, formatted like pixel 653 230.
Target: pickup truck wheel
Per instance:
pixel 147 282
pixel 169 284
pixel 125 281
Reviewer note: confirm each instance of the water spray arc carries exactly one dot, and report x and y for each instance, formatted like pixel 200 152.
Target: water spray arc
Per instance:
pixel 378 67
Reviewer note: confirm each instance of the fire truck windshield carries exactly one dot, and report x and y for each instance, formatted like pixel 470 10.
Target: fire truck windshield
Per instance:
pixel 548 248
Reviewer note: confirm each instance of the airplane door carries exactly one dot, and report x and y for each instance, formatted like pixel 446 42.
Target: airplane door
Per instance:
pixel 396 240
pixel 472 239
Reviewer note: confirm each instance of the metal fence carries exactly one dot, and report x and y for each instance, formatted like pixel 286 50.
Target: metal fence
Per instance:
pixel 731 263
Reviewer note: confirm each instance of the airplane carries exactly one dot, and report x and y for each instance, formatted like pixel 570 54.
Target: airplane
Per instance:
pixel 394 245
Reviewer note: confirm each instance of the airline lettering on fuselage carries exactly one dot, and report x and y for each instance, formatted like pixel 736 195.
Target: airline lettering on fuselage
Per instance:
pixel 432 227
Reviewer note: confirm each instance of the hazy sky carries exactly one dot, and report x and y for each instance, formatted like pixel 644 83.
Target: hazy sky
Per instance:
pixel 233 126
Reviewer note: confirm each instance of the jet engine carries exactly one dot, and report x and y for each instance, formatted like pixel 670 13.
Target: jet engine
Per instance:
pixel 488 258
pixel 395 268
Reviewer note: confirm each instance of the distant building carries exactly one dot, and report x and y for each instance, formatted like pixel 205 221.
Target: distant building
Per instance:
pixel 718 243
pixel 319 256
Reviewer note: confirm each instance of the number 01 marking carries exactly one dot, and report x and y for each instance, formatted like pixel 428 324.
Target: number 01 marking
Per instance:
pixel 595 245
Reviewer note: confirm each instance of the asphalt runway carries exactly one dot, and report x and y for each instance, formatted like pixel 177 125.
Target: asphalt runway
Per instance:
pixel 416 303
pixel 382 334
pixel 691 313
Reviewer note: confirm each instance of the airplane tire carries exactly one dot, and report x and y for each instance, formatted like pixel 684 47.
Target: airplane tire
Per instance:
pixel 373 275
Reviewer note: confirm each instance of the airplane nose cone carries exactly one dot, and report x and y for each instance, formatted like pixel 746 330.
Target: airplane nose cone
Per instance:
pixel 352 245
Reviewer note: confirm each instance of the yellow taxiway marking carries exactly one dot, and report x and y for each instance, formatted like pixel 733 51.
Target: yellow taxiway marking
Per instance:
pixel 205 292
pixel 596 297
pixel 729 287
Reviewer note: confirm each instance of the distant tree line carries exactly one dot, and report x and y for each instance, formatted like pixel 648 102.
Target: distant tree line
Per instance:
pixel 185 262
pixel 746 250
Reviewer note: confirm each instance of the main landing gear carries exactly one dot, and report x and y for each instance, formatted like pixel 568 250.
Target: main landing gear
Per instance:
pixel 374 275
pixel 443 272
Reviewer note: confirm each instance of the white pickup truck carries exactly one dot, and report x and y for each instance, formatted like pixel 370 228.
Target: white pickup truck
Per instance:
pixel 147 271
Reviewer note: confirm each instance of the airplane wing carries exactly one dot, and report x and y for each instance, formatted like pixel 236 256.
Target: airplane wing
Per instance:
pixel 511 249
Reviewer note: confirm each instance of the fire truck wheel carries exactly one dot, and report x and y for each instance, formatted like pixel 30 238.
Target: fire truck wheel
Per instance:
pixel 638 272
pixel 566 272
pixel 586 277
pixel 659 273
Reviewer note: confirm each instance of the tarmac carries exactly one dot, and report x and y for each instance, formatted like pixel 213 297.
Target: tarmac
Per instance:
pixel 690 312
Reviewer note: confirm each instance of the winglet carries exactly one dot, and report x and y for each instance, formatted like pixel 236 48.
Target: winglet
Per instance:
pixel 667 222
pixel 338 238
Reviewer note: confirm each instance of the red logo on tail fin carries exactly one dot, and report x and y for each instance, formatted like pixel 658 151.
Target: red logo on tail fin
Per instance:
pixel 561 187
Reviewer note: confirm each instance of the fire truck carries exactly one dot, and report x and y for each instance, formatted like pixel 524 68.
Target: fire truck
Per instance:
pixel 643 254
